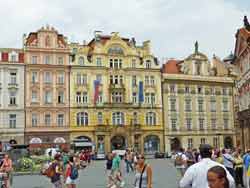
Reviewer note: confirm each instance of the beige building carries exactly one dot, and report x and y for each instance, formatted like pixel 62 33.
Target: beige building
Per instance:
pixel 47 87
pixel 12 96
pixel 197 102
pixel 115 100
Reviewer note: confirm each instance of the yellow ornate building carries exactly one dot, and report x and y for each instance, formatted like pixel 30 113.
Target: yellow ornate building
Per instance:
pixel 115 101
pixel 198 102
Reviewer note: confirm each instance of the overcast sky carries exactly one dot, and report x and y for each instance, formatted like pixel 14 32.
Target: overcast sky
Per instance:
pixel 172 25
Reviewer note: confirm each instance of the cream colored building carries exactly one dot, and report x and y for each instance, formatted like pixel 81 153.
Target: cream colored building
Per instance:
pixel 115 100
pixel 12 96
pixel 198 103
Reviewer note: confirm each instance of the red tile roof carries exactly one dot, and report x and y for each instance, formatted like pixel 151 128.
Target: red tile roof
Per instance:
pixel 171 67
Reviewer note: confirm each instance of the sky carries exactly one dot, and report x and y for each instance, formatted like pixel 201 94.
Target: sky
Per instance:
pixel 172 26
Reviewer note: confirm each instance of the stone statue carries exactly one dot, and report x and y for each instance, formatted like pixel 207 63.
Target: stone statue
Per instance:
pixel 196 45
pixel 246 23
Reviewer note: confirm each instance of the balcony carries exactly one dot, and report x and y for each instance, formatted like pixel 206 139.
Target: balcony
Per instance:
pixel 13 85
pixel 117 86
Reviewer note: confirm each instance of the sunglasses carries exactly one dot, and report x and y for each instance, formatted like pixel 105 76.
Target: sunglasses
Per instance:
pixel 140 157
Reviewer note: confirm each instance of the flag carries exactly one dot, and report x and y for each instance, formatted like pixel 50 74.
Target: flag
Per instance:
pixel 141 96
pixel 96 92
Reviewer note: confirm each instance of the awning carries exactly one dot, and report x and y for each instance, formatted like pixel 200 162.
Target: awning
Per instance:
pixel 83 144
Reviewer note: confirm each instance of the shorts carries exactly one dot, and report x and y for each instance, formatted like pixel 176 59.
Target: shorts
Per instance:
pixel 69 181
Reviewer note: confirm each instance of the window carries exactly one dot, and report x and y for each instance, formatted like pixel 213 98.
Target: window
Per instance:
pixel 98 62
pixel 199 90
pixel 135 118
pixel 34 77
pixel 81 61
pixel 152 80
pixel 99 98
pixel 114 79
pixel 48 97
pixel 187 105
pixel 117 97
pixel 60 78
pixel 47 60
pixel 187 90
pixel 203 140
pixel 213 105
pixel 81 79
pixel 115 63
pixel 134 98
pixel 190 143
pixel 224 91
pixel 82 119
pixel 12 121
pixel 212 91
pixel 118 118
pixel 152 98
pixel 198 68
pixel 99 78
pixel 13 78
pixel 213 124
pixel 147 98
pixel 34 120
pixel 34 96
pixel 78 97
pixel 34 59
pixel 99 118
pixel 172 88
pixel 48 77
pixel 85 97
pixel 172 104
pixel 201 124
pixel 13 57
pixel 148 64
pixel 47 119
pixel 150 118
pixel 12 98
pixel 200 105
pixel 60 120
pixel 60 97
pixel 225 105
pixel 60 61
pixel 133 63
pixel 215 142
pixel 146 80
pixel 226 124
pixel 174 124
pixel 189 124
pixel 134 81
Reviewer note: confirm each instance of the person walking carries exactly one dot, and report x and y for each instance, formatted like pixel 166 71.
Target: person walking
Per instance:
pixel 109 164
pixel 6 167
pixel 69 176
pixel 116 163
pixel 238 169
pixel 217 177
pixel 228 161
pixel 196 175
pixel 129 161
pixel 246 169
pixel 181 161
pixel 143 175
pixel 58 168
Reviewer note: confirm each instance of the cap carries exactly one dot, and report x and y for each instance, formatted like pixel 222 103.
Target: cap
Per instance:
pixel 205 147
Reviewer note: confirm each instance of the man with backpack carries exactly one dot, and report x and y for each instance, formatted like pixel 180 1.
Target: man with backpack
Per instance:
pixel 181 161
pixel 71 173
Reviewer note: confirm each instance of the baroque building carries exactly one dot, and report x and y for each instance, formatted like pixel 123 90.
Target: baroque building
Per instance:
pixel 115 100
pixel 241 60
pixel 47 87
pixel 12 96
pixel 198 102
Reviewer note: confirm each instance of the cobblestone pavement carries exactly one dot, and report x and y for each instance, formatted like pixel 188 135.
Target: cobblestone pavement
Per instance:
pixel 164 176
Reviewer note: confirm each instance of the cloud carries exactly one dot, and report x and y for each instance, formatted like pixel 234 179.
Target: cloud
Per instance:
pixel 172 25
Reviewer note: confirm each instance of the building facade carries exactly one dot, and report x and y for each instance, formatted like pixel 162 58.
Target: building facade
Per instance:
pixel 242 62
pixel 197 102
pixel 115 100
pixel 12 96
pixel 47 87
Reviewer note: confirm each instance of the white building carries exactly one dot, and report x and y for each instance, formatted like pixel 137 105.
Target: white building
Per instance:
pixel 12 116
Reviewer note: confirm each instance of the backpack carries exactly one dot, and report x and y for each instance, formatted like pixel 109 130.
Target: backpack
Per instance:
pixel 74 172
pixel 50 171
pixel 178 160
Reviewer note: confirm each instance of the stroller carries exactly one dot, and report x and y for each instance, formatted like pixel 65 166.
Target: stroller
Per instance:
pixel 115 180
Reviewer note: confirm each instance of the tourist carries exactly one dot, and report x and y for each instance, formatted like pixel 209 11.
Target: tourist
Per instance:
pixel 143 176
pixel 56 179
pixel 70 183
pixel 116 163
pixel 129 161
pixel 109 163
pixel 196 175
pixel 246 169
pixel 6 167
pixel 181 161
pixel 219 158
pixel 190 157
pixel 217 177
pixel 238 169
pixel 228 161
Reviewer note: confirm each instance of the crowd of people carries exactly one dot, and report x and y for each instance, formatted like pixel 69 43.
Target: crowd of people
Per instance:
pixel 213 168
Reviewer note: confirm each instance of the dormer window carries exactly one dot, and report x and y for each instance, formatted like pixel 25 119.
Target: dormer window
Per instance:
pixel 198 68
pixel 148 64
pixel 81 61
pixel 13 57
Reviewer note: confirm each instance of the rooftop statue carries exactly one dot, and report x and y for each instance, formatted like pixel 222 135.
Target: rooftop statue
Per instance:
pixel 246 23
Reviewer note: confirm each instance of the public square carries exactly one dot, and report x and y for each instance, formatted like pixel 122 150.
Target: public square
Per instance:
pixel 164 173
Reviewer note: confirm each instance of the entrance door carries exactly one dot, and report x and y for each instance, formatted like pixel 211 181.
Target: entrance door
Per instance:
pixel 118 143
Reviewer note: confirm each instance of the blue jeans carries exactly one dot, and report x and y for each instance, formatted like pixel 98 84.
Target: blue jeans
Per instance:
pixel 129 165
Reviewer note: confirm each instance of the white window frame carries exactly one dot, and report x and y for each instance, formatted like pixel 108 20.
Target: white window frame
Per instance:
pixel 12 121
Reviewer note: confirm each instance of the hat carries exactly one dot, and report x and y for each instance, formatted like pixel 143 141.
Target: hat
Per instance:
pixel 205 148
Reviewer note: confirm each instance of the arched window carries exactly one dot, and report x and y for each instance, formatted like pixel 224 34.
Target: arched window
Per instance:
pixel 82 119
pixel 118 118
pixel 115 50
pixel 150 118
pixel 99 118
pixel 81 61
